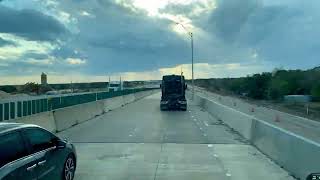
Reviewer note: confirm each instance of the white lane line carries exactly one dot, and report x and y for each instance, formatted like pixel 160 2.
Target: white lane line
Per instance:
pixel 228 174
pixel 205 123
pixel 130 135
pixel 215 155
pixel 205 134
pixel 210 145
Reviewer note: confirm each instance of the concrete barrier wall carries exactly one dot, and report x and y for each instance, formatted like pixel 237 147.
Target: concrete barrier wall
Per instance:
pixel 44 119
pixel 70 116
pixel 64 118
pixel 128 98
pixel 260 112
pixel 294 153
pixel 112 103
pixel 239 121
pixel 139 95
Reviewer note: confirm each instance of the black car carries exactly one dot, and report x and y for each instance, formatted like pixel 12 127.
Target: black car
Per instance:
pixel 31 152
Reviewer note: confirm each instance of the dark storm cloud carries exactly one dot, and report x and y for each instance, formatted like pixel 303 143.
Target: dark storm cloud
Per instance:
pixel 119 39
pixel 230 17
pixel 280 33
pixel 30 24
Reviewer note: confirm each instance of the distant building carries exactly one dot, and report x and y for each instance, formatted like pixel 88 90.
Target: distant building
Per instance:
pixel 44 79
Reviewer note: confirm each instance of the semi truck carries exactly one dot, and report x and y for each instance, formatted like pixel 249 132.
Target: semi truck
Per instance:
pixel 173 89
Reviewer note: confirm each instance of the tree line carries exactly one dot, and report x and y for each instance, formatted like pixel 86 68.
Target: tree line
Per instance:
pixel 268 85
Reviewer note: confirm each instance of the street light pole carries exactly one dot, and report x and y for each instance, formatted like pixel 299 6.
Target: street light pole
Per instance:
pixel 191 35
pixel 192 73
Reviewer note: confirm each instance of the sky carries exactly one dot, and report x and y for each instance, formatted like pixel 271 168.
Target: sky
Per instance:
pixel 90 40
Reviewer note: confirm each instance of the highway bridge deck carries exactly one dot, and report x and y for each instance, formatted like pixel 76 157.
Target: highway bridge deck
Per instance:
pixel 138 141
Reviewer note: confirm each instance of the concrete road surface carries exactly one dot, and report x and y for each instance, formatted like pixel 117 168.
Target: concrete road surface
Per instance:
pixel 140 142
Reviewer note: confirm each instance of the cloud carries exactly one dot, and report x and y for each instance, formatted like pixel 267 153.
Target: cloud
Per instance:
pixel 75 61
pixel 230 16
pixel 279 32
pixel 30 24
pixel 139 39
pixel 22 47
pixel 6 43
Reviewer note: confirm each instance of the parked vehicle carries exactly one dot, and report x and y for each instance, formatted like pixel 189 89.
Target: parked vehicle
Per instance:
pixel 30 152
pixel 173 93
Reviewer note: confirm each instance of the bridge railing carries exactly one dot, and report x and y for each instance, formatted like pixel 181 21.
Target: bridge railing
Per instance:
pixel 12 109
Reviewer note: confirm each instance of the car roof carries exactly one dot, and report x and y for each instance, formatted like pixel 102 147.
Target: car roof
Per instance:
pixel 5 127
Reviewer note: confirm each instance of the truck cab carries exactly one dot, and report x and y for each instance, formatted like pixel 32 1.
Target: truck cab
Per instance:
pixel 173 93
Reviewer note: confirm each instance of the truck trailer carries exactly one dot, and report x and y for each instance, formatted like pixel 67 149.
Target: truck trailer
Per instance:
pixel 173 89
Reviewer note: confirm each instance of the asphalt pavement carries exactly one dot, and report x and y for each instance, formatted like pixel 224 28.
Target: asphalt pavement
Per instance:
pixel 138 141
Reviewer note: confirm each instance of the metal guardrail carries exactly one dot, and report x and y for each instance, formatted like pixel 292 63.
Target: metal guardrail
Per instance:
pixel 32 105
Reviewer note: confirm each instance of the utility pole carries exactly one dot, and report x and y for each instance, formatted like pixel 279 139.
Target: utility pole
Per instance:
pixel 192 72
pixel 120 85
pixel 109 84
pixel 191 35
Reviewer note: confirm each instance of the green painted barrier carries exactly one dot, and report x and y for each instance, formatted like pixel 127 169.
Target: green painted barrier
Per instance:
pixel 6 111
pixel 38 106
pixel 1 112
pixel 19 109
pixel 29 107
pixel 45 105
pixel 12 110
pixel 25 108
pixel 33 106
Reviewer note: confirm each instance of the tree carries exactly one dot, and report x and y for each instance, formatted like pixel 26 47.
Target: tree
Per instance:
pixel 31 87
pixel 315 91
pixel 8 89
pixel 278 88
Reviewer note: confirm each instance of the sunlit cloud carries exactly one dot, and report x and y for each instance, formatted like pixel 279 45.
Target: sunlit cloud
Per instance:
pixel 75 61
pixel 86 14
pixel 22 46
pixel 33 61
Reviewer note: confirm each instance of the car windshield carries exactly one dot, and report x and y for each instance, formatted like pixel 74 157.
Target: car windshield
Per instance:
pixel 164 89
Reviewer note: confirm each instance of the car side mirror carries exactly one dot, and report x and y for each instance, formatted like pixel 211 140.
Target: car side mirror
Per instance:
pixel 59 143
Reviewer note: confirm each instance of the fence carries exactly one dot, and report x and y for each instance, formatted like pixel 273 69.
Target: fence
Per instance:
pixel 26 107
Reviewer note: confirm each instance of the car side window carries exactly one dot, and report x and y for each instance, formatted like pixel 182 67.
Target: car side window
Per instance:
pixel 11 148
pixel 39 139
